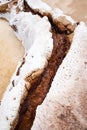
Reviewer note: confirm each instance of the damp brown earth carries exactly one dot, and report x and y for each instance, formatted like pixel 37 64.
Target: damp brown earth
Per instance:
pixel 77 9
pixel 11 50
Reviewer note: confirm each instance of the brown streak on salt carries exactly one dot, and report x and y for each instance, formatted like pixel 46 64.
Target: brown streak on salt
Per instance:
pixel 41 86
pixel 18 71
pixel 13 83
pixel 59 26
pixel 14 28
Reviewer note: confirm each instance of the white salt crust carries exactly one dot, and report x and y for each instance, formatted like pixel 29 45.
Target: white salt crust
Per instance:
pixel 67 98
pixel 20 4
pixel 5 15
pixel 28 30
pixel 38 60
pixel 9 15
pixel 4 2
pixel 38 4
pixel 36 32
pixel 42 7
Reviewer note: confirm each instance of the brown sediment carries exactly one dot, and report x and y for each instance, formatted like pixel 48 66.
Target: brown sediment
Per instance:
pixel 41 85
pixel 62 24
pixel 27 8
pixel 4 8
pixel 40 88
pixel 18 71
pixel 14 28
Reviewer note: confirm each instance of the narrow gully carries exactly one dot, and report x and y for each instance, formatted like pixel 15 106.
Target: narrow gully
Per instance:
pixel 41 86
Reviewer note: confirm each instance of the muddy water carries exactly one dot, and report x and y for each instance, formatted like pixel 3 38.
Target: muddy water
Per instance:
pixel 75 8
pixel 11 50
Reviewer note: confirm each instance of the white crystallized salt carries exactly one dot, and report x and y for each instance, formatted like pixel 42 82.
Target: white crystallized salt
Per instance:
pixel 34 32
